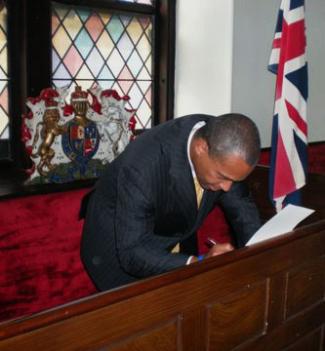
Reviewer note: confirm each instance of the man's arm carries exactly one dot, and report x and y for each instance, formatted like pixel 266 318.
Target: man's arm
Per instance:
pixel 141 252
pixel 241 213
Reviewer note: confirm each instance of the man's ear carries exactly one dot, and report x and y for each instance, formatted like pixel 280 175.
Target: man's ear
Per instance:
pixel 201 146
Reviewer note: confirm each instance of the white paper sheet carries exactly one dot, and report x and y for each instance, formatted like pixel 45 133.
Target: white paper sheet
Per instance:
pixel 283 222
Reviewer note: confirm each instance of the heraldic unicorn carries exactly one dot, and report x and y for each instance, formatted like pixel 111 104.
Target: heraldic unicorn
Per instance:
pixel 67 142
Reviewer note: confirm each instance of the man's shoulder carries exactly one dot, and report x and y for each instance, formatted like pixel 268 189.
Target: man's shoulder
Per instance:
pixel 162 139
pixel 191 119
pixel 178 125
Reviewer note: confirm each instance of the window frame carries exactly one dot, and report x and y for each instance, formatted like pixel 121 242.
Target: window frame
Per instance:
pixel 30 68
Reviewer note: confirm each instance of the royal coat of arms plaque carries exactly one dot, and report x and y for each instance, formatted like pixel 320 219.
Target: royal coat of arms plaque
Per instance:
pixel 72 141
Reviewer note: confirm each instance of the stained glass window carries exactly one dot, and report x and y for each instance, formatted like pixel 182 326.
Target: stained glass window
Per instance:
pixel 4 118
pixel 100 47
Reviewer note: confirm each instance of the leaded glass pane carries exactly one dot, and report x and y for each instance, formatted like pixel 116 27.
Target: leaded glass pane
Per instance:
pixel 4 118
pixel 100 47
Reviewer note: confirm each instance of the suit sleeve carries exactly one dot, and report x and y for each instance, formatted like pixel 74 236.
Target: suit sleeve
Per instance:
pixel 140 251
pixel 241 213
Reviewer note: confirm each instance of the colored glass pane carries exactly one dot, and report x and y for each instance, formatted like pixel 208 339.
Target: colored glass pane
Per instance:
pixel 61 12
pixel 137 96
pixel 135 63
pixel 125 74
pixel 105 74
pixel 3 39
pixel 3 75
pixel 106 84
pixel 84 73
pixel 125 85
pixel 106 48
pixel 115 62
pixel 4 79
pixel 144 86
pixel 4 124
pixel 145 22
pixel 105 17
pixel 105 45
pixel 144 48
pixel 149 64
pixel 115 28
pixel 144 74
pixel 125 46
pixel 143 114
pixel 135 30
pixel 73 61
pixel 55 61
pixel 125 20
pixel 94 26
pixel 83 14
pixel 73 22
pixel 61 73
pixel 148 96
pixel 4 59
pixel 55 24
pixel 84 43
pixel 95 61
pixel 61 41
pixel 4 97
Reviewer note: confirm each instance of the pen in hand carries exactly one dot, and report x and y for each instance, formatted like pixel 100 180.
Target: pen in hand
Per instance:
pixel 210 242
pixel 216 248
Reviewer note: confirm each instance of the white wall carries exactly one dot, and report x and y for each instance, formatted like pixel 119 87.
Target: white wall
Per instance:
pixel 315 22
pixel 252 84
pixel 203 56
pixel 222 52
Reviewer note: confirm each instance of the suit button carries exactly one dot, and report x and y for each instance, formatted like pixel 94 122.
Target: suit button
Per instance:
pixel 96 260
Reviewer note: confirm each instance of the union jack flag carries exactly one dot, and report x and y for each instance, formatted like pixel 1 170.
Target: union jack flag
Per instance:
pixel 289 132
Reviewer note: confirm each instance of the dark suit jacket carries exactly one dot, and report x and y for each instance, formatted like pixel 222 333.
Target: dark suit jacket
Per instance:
pixel 145 203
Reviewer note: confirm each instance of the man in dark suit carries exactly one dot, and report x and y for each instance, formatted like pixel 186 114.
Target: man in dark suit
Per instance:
pixel 145 201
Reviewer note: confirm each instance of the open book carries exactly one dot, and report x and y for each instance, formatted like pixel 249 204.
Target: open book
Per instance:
pixel 283 222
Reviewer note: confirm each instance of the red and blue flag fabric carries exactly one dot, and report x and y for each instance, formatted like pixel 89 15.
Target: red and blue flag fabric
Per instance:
pixel 289 131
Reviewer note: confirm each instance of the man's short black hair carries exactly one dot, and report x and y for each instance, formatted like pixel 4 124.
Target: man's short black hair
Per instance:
pixel 232 134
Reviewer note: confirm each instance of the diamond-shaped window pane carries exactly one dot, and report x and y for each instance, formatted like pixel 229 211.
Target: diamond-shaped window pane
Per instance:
pixel 97 46
pixel 73 22
pixel 115 28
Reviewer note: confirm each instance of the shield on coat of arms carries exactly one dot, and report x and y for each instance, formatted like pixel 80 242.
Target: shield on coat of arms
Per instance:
pixel 81 142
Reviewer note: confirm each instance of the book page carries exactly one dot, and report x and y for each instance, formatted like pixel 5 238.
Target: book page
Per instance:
pixel 283 222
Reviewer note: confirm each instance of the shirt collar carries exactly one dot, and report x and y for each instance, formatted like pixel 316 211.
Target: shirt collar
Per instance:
pixel 196 127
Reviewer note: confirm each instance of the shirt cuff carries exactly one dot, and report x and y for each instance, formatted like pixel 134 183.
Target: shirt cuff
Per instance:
pixel 189 260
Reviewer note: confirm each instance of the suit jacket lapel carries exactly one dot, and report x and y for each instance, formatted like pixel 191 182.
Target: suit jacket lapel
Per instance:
pixel 184 193
pixel 181 178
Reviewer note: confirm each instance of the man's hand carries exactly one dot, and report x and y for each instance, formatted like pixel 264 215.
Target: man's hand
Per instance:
pixel 219 249
pixel 215 250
